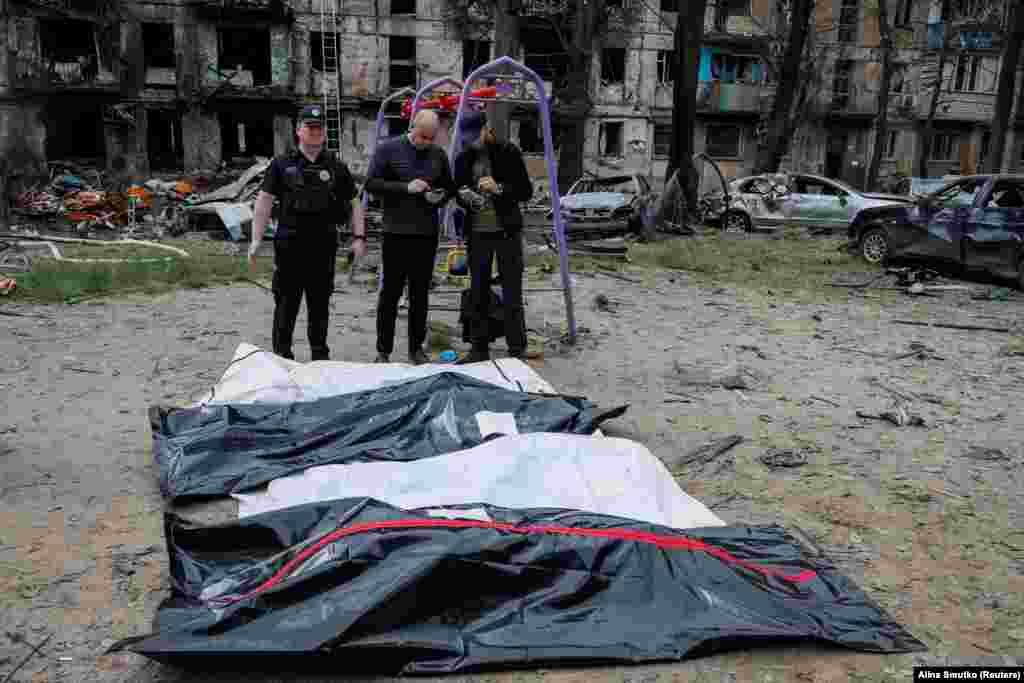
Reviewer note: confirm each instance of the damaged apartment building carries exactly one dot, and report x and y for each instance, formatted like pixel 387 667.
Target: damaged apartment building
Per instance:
pixel 138 87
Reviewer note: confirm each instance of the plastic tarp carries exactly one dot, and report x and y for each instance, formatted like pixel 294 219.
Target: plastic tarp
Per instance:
pixel 356 585
pixel 598 474
pixel 218 449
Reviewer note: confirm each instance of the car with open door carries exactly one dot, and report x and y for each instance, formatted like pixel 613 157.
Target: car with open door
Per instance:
pixel 770 201
pixel 974 223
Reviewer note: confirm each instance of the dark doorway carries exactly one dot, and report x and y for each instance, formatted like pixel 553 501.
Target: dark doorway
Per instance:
pixel 835 154
pixel 163 140
pixel 74 130
pixel 245 135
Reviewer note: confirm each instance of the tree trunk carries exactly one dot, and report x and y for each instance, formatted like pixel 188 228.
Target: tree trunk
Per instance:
pixel 506 44
pixel 1004 93
pixel 576 95
pixel 927 131
pixel 770 155
pixel 688 35
pixel 882 121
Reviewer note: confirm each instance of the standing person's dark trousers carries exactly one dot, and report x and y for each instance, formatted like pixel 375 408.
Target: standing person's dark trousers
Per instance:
pixel 405 258
pixel 483 247
pixel 303 267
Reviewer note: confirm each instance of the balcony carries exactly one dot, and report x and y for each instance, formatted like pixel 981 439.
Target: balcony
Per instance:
pixel 40 74
pixel 716 96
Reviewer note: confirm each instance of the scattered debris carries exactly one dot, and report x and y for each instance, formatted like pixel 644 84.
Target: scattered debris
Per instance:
pixel 703 454
pixel 987 454
pixel 899 417
pixel 27 657
pixel 921 351
pixel 7 285
pixel 753 349
pixel 741 377
pixel 995 294
pixel 618 277
pixel 899 393
pixel 825 400
pixel 780 458
pixel 858 285
pixel 952 326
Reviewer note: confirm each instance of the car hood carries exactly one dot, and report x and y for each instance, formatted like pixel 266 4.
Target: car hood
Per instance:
pixel 595 200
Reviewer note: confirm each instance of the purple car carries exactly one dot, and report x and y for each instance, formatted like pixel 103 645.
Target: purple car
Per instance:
pixel 974 223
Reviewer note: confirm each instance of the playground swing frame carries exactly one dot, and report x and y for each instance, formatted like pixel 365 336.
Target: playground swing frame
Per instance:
pixel 541 101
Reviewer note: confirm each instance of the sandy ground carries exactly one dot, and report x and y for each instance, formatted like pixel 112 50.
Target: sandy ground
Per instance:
pixel 921 517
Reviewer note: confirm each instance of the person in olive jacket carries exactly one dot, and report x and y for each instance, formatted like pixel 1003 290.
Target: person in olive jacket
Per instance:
pixel 492 180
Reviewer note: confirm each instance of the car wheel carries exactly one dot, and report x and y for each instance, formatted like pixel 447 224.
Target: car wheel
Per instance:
pixel 874 246
pixel 735 221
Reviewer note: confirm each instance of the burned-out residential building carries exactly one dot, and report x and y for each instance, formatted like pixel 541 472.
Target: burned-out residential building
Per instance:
pixel 137 87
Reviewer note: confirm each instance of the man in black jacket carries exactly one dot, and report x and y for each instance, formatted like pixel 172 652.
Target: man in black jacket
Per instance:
pixel 411 176
pixel 492 180
pixel 316 192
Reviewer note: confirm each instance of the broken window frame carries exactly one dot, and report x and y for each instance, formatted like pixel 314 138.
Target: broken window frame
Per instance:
pixel 613 65
pixel 720 59
pixel 966 72
pixel 946 143
pixel 666 70
pixel 728 8
pixel 261 70
pixel 168 60
pixel 661 140
pixel 404 4
pixel 316 49
pixel 715 150
pixel 612 146
pixel 67 63
pixel 849 21
pixel 399 66
pixel 842 77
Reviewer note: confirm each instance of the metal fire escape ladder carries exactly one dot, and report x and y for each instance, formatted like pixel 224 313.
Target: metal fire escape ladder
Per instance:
pixel 331 76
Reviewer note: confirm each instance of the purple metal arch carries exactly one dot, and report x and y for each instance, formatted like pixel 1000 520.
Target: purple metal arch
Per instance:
pixel 430 87
pixel 549 158
pixel 375 133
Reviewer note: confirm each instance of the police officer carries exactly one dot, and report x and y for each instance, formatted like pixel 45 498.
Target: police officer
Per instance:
pixel 315 190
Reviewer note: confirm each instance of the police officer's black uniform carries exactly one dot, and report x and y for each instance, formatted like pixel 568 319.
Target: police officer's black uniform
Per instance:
pixel 314 198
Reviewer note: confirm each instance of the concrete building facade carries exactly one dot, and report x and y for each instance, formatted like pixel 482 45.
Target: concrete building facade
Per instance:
pixel 138 86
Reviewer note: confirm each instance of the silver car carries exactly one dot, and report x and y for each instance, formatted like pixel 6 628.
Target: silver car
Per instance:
pixel 766 202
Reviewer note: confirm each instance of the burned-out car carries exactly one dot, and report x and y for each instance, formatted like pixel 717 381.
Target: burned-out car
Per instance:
pixel 770 201
pixel 615 203
pixel 975 223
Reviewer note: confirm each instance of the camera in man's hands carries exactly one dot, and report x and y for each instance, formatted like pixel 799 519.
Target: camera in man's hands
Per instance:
pixel 474 200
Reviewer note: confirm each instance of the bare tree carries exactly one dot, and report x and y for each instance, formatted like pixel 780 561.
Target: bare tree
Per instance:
pixel 1007 82
pixel 770 155
pixel 927 128
pixel 882 118
pixel 688 33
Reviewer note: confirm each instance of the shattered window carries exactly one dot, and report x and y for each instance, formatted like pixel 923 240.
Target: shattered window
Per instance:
pixel 666 66
pixel 475 53
pixel 731 8
pixel 662 140
pixel 402 69
pixel 722 141
pixel 849 16
pixel 613 65
pixel 158 44
pixel 611 139
pixel 961 194
pixel 944 146
pixel 729 68
pixel 1008 194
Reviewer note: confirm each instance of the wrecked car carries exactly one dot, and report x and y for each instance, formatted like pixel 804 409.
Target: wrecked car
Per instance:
pixel 619 203
pixel 767 202
pixel 975 223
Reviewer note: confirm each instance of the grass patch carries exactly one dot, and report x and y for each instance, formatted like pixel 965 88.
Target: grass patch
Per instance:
pixel 52 281
pixel 787 265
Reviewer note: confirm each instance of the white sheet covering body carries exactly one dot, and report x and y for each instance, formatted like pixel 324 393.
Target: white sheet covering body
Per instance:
pixel 605 475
